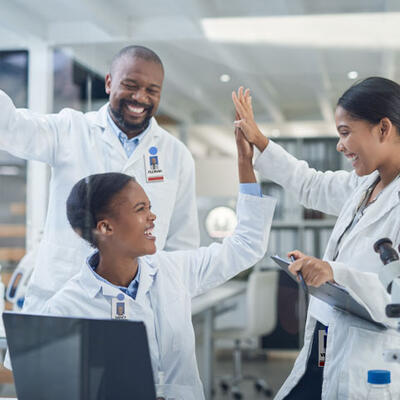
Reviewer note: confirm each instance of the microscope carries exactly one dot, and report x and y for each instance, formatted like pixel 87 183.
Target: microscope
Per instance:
pixel 390 278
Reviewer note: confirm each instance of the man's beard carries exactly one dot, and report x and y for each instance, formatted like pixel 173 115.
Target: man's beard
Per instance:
pixel 126 126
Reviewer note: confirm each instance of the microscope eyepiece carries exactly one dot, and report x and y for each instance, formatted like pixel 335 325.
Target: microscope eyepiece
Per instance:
pixel 386 252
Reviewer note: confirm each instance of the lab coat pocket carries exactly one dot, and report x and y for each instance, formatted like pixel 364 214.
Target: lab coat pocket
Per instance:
pixel 363 351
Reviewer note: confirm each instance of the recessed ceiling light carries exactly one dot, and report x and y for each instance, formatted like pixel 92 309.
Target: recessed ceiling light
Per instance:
pixel 225 78
pixel 363 30
pixel 352 75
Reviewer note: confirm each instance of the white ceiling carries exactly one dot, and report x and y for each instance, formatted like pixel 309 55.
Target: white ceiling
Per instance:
pixel 294 54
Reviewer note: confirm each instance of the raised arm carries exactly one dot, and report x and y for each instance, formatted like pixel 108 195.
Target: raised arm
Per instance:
pixel 245 119
pixel 245 157
pixel 324 191
pixel 26 134
pixel 208 267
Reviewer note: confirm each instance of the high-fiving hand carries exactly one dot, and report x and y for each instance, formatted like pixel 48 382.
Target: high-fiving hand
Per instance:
pixel 245 149
pixel 246 122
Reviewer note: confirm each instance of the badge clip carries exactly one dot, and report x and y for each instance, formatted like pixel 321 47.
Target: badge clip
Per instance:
pixel 118 307
pixel 152 166
pixel 322 338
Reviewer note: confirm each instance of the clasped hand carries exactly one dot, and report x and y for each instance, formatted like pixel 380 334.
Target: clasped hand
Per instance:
pixel 315 272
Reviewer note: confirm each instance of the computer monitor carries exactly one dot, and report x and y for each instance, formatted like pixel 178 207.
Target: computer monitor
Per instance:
pixel 78 359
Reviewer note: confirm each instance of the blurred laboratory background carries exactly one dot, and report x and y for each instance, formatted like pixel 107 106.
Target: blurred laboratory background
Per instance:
pixel 296 56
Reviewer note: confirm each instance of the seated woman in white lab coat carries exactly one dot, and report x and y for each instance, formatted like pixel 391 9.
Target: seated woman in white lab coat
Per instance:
pixel 113 213
pixel 367 203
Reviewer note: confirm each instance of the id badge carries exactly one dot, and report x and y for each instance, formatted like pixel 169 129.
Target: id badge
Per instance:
pixel 118 307
pixel 153 165
pixel 322 338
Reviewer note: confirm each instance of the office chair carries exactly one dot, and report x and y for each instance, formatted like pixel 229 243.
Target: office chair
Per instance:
pixel 261 312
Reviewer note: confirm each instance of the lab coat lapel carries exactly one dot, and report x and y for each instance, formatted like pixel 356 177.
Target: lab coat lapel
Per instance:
pixel 350 208
pixel 150 139
pixel 147 276
pixel 94 285
pixel 108 136
pixel 389 199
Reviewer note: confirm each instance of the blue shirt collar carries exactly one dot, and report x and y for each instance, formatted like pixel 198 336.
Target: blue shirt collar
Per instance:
pixel 121 135
pixel 93 261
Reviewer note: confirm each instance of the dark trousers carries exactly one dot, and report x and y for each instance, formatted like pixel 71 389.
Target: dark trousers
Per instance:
pixel 309 386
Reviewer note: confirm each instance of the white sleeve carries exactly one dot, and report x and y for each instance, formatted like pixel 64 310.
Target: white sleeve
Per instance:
pixel 26 134
pixel 365 288
pixel 323 191
pixel 208 267
pixel 7 361
pixel 183 230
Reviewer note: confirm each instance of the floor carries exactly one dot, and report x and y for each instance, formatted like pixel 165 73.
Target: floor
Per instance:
pixel 273 370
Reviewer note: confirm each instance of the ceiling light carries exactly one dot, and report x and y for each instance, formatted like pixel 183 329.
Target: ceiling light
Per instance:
pixel 225 78
pixel 347 30
pixel 352 75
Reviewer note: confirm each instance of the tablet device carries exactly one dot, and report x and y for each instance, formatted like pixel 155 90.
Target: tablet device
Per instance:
pixel 333 294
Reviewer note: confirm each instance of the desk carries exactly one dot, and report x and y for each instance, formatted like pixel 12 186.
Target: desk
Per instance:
pixel 204 306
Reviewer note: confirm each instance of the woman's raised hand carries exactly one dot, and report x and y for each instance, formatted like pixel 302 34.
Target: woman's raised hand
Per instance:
pixel 246 122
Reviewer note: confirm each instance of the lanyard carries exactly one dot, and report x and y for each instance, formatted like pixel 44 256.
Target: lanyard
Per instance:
pixel 358 214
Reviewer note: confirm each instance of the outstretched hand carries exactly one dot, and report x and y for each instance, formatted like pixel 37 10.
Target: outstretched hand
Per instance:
pixel 246 122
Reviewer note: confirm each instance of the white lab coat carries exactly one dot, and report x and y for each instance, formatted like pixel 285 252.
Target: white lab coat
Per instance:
pixel 168 281
pixel 75 145
pixel 354 346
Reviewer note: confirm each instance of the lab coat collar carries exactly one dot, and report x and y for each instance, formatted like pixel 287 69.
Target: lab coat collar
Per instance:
pixel 389 199
pixel 108 136
pixel 352 204
pixel 89 281
pixel 149 140
pixel 101 120
pixel 148 273
pixel 92 285
pixel 101 116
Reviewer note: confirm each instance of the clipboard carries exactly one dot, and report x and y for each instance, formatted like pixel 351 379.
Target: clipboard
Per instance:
pixel 333 294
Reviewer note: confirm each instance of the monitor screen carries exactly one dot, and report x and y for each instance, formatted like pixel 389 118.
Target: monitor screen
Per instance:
pixel 73 358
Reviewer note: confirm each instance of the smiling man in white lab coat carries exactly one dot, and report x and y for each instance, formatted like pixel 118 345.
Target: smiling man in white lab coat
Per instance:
pixel 122 136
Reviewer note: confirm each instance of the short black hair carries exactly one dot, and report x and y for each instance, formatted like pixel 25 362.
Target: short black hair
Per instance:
pixel 136 51
pixel 90 200
pixel 372 99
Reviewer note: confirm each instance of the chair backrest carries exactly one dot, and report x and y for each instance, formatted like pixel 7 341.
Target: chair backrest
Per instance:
pixel 262 292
